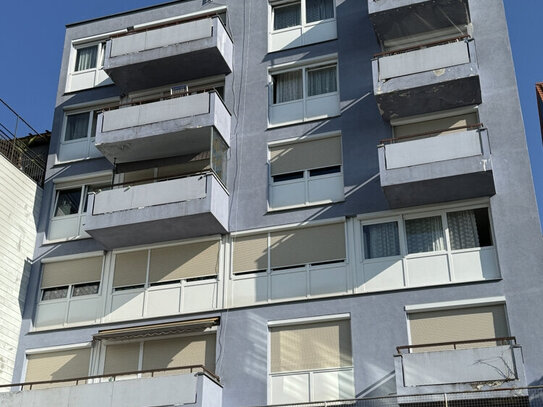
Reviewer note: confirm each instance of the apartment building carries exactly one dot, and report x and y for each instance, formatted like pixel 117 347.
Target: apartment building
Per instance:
pixel 264 202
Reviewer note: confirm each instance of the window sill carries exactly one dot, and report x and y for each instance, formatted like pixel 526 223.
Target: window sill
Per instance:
pixel 59 163
pixel 64 240
pixel 293 123
pixel 301 206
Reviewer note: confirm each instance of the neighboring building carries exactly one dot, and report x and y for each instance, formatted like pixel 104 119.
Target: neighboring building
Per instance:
pixel 21 171
pixel 223 190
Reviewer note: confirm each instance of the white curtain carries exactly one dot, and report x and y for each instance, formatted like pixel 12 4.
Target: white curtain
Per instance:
pixel 288 86
pixel 322 80
pixel 286 16
pixel 86 58
pixel 463 230
pixel 317 10
pixel 381 240
pixel 77 126
pixel 424 235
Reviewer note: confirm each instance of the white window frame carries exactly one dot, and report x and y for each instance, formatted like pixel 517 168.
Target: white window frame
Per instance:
pixel 306 101
pixel 310 373
pixel 84 185
pixel 96 76
pixel 301 29
pixel 306 176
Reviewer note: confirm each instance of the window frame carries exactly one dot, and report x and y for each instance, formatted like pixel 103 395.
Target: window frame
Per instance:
pixel 306 174
pixel 402 233
pixel 303 66
pixel 303 26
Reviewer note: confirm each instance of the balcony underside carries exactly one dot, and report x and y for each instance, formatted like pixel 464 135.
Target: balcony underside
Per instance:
pixel 454 188
pixel 400 18
pixel 405 96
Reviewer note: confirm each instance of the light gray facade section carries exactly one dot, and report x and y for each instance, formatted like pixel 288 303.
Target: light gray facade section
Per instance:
pixel 242 338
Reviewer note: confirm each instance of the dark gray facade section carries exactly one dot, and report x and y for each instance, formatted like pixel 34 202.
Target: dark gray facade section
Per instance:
pixel 242 350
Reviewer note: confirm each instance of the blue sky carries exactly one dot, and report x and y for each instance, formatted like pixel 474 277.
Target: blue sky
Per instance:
pixel 31 46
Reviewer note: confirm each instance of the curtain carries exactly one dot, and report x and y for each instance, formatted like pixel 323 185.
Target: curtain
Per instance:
pixel 86 58
pixel 317 10
pixel 288 86
pixel 286 16
pixel 77 126
pixel 381 240
pixel 463 230
pixel 68 202
pixel 321 80
pixel 424 235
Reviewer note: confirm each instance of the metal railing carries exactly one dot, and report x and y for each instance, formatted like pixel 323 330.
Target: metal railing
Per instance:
pixel 430 133
pixel 113 377
pixel 511 340
pixel 506 397
pixel 17 151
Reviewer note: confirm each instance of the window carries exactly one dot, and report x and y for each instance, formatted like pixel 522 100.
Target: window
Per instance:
pixel 311 361
pixel 466 229
pixel 305 93
pixel 155 354
pixel 460 324
pixel 303 22
pixel 59 365
pixel 290 248
pixel 70 207
pixel 78 137
pixel 87 61
pixel 306 173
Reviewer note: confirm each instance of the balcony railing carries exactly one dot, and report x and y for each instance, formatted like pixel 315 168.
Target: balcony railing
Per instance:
pixel 508 340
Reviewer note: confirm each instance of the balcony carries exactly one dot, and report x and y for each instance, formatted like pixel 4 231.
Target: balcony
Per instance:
pixel 438 168
pixel 138 389
pixel 163 128
pixel 457 366
pixel 400 18
pixel 437 76
pixel 144 59
pixel 171 209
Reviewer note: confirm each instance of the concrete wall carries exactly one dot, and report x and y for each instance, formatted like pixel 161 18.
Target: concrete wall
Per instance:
pixel 20 201
pixel 243 335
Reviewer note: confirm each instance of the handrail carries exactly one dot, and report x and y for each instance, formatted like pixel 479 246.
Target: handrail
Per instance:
pixel 454 343
pixel 146 181
pixel 207 372
pixel 163 25
pixel 417 47
pixel 431 133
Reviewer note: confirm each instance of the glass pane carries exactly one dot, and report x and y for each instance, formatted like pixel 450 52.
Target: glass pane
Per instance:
pixel 288 86
pixel 54 293
pixel 86 58
pixel 424 235
pixel 469 229
pixel 381 240
pixel 317 10
pixel 68 202
pixel 85 289
pixel 321 80
pixel 286 16
pixel 77 126
pixel 219 157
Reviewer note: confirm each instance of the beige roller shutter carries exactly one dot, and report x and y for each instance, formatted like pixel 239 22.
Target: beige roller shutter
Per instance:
pixel 103 180
pixel 436 125
pixel 250 253
pixel 308 245
pixel 183 351
pixel 130 269
pixel 458 325
pixel 305 155
pixel 122 358
pixel 311 346
pixel 184 261
pixel 66 364
pixel 62 273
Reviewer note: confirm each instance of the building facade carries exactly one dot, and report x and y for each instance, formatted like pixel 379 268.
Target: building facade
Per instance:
pixel 264 199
